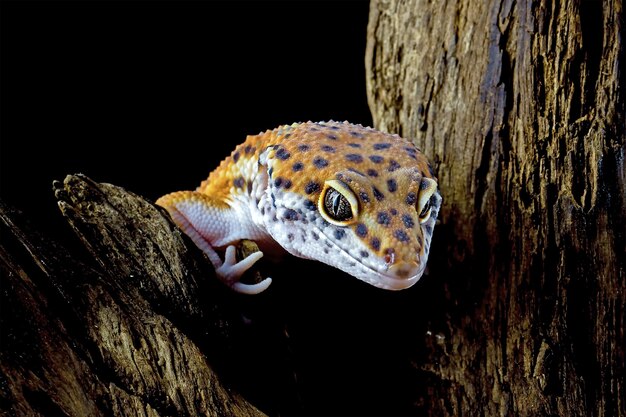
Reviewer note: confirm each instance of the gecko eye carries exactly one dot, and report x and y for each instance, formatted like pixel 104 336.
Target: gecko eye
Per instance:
pixel 337 204
pixel 425 213
pixel 427 189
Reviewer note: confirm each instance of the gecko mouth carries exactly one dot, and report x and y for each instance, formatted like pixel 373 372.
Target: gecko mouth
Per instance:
pixel 393 283
pixel 398 276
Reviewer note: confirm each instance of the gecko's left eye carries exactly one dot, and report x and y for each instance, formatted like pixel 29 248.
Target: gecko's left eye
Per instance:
pixel 427 189
pixel 337 204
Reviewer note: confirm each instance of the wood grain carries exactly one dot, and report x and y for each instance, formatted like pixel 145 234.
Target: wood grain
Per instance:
pixel 521 106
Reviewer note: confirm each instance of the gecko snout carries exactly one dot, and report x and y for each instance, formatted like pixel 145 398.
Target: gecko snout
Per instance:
pixel 404 269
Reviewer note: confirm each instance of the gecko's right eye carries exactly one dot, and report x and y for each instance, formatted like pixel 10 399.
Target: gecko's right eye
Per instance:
pixel 338 204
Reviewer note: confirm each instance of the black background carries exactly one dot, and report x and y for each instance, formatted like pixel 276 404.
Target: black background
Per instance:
pixel 152 95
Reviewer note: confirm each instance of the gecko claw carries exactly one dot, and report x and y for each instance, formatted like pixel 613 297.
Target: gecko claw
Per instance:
pixel 230 272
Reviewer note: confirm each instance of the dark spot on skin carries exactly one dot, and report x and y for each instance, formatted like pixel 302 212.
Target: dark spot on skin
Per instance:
pixel 249 184
pixel 236 156
pixel 383 218
pixel 303 148
pixel 419 241
pixel 356 134
pixel 290 237
pixel 364 197
pixel 408 221
pixel 354 145
pixel 320 162
pixel 273 197
pixel 327 148
pixel 377 159
pixel 411 198
pixel 352 264
pixel 331 136
pixel 379 146
pixel 311 187
pixel 372 172
pixel 410 150
pixel 298 166
pixel 278 182
pixel 326 251
pixel 412 155
pixel 428 229
pixel 393 211
pixel 423 185
pixel 315 236
pixel 290 214
pixel 287 184
pixel 392 185
pixel 401 235
pixel 375 242
pixel 287 136
pixel 282 154
pixel 361 230
pixel 333 127
pixel 239 182
pixel 249 149
pixel 329 244
pixel 393 165
pixel 309 205
pixel 339 234
pixel 364 254
pixel 314 129
pixel 356 171
pixel 270 172
pixel 377 194
pixel 354 157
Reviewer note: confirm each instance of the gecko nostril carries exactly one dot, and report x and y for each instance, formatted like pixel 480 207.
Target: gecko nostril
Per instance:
pixel 390 256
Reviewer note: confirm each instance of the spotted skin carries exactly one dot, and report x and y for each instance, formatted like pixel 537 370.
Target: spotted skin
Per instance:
pixel 271 190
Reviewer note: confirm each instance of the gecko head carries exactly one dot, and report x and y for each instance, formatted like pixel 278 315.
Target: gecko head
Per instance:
pixel 377 228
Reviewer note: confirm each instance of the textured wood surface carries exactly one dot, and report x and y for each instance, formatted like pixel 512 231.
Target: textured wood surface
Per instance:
pixel 521 105
pixel 127 334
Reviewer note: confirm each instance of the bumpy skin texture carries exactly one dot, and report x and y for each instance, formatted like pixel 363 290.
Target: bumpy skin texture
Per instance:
pixel 354 198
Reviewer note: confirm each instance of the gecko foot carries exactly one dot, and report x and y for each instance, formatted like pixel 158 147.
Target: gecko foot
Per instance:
pixel 231 271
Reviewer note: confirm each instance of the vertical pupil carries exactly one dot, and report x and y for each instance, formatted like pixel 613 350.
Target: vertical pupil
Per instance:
pixel 336 203
pixel 426 208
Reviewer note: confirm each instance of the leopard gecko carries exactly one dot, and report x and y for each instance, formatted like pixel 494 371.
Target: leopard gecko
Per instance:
pixel 352 197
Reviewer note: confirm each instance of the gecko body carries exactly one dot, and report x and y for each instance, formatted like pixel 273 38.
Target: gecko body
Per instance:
pixel 355 198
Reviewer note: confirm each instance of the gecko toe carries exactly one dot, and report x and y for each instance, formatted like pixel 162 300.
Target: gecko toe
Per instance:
pixel 231 271
pixel 252 288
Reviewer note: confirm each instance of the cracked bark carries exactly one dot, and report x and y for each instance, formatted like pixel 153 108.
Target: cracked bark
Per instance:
pixel 521 106
pixel 121 328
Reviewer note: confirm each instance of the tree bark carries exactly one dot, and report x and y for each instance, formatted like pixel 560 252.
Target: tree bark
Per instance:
pixel 128 334
pixel 521 106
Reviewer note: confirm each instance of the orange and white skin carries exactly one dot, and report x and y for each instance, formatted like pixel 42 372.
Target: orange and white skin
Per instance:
pixel 360 200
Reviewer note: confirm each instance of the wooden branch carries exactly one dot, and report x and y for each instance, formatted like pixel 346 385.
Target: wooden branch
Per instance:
pixel 118 336
pixel 521 106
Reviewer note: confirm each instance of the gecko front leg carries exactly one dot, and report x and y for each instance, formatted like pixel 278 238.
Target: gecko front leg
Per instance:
pixel 210 224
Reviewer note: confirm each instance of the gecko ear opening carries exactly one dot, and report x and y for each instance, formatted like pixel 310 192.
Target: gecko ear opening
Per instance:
pixel 337 203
